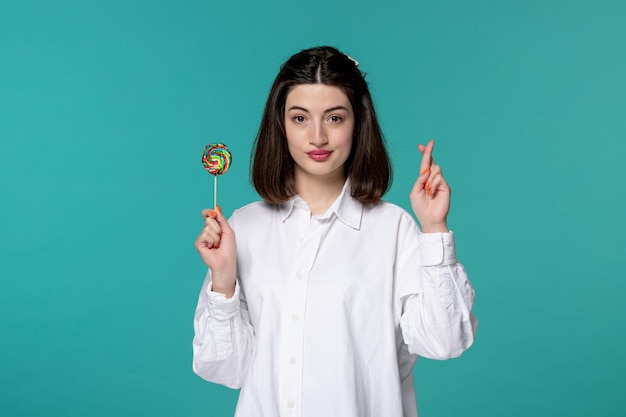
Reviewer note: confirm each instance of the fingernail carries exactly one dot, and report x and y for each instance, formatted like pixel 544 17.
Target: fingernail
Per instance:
pixel 427 186
pixel 425 170
pixel 430 192
pixel 216 246
pixel 213 214
pixel 218 208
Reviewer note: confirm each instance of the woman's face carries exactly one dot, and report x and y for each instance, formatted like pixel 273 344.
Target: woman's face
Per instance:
pixel 319 123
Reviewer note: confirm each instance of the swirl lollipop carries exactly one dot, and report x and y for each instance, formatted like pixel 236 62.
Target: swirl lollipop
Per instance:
pixel 216 159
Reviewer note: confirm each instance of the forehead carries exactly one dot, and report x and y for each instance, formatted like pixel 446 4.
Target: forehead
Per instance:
pixel 317 95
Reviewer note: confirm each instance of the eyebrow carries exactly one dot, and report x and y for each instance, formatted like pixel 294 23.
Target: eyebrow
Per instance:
pixel 325 111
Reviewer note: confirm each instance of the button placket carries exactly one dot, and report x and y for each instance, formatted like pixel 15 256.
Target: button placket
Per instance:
pixel 294 309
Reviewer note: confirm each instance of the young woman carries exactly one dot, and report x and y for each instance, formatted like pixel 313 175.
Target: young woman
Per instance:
pixel 320 298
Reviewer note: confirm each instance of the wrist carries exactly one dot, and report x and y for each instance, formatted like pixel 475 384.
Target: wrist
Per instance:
pixel 223 282
pixel 435 228
pixel 227 291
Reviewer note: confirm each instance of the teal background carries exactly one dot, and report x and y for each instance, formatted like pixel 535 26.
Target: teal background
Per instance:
pixel 105 107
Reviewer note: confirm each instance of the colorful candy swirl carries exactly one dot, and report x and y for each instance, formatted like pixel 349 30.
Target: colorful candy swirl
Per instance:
pixel 216 158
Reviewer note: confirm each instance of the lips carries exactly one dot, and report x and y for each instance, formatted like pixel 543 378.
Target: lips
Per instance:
pixel 319 154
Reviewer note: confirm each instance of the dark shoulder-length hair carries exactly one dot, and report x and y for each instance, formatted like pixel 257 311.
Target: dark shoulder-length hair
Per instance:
pixel 368 167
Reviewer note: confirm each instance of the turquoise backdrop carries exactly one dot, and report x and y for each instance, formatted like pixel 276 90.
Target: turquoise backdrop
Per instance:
pixel 105 107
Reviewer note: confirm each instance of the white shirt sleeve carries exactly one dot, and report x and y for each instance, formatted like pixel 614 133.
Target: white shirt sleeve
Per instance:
pixel 224 338
pixel 437 320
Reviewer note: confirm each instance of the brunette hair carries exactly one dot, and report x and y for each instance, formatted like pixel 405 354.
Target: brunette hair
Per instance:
pixel 368 166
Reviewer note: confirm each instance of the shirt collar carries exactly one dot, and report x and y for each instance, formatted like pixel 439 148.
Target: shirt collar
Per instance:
pixel 347 209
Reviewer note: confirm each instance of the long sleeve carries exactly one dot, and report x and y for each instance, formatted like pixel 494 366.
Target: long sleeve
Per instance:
pixel 224 338
pixel 437 320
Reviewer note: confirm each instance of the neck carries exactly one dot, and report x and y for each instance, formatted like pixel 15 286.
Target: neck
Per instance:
pixel 319 193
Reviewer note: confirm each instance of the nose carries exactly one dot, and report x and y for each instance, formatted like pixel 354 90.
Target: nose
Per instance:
pixel 318 135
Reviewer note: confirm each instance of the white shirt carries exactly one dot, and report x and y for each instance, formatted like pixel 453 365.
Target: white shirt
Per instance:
pixel 330 312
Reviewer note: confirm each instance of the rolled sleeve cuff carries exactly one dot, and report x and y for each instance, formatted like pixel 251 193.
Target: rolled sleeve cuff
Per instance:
pixel 437 248
pixel 220 307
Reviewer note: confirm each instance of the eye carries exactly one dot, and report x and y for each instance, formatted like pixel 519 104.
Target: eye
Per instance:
pixel 335 119
pixel 298 119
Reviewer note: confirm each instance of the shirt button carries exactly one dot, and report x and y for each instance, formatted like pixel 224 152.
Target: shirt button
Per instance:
pixel 292 360
pixel 294 317
pixel 299 276
pixel 300 240
pixel 291 403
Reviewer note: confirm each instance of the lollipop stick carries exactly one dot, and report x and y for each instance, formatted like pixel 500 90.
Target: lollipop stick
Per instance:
pixel 214 191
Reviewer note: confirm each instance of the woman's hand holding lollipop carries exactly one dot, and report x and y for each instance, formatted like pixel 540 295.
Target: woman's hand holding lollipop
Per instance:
pixel 216 243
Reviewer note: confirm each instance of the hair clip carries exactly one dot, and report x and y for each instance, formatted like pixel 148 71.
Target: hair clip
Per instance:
pixel 356 63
